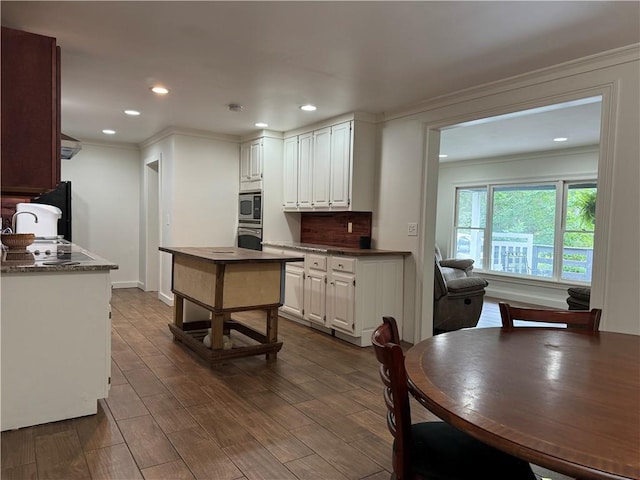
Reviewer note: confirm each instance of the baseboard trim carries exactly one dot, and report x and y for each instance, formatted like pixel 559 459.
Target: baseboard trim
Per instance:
pixel 133 284
pixel 166 299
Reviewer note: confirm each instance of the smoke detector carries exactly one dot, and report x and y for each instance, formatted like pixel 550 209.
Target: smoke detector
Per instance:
pixel 234 107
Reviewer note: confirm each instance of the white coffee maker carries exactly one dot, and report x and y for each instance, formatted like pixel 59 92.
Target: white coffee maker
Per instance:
pixel 48 216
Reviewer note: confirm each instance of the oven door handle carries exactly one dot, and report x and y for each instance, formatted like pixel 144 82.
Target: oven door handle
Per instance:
pixel 254 231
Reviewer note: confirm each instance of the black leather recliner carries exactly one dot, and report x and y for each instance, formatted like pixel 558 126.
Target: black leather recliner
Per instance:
pixel 457 295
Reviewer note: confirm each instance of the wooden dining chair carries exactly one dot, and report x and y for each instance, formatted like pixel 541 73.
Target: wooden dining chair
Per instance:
pixel 586 320
pixel 432 450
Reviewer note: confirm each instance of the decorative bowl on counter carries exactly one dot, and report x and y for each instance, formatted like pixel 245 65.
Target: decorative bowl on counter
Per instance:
pixel 17 242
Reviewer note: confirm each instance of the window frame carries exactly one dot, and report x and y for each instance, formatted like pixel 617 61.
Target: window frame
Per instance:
pixel 561 207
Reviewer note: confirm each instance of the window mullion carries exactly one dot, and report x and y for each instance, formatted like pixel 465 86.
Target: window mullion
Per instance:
pixel 559 230
pixel 488 231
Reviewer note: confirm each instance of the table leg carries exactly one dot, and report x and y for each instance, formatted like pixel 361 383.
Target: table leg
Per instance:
pixel 272 330
pixel 178 311
pixel 217 328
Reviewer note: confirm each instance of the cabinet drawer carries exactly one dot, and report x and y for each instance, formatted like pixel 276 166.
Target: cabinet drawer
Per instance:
pixel 317 262
pixel 342 264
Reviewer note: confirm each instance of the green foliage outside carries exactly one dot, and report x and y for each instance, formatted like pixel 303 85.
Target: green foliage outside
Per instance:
pixel 532 210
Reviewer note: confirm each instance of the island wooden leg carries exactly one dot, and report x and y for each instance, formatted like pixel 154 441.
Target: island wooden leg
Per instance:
pixel 227 319
pixel 217 328
pixel 272 330
pixel 178 312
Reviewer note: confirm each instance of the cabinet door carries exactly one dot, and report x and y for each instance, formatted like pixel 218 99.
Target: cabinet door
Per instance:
pixel 290 173
pixel 255 165
pixel 321 167
pixel 251 154
pixel 315 296
pixel 342 301
pixel 294 290
pixel 340 194
pixel 245 162
pixel 30 113
pixel 305 161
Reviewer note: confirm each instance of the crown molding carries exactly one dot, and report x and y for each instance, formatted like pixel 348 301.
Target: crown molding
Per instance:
pixel 188 132
pixel 627 54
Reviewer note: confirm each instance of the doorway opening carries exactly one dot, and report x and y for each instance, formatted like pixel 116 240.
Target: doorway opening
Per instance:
pixel 510 190
pixel 152 226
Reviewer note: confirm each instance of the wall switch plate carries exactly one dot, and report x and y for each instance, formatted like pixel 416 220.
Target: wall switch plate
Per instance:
pixel 350 227
pixel 412 229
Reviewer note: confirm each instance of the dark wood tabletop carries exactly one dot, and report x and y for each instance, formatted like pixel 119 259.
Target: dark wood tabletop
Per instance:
pixel 567 401
pixel 229 254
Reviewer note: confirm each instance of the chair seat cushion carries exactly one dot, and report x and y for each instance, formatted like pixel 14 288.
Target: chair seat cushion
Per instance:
pixel 442 452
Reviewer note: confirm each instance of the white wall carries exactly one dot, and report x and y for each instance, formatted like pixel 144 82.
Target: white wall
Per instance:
pixel 406 169
pixel 399 202
pixel 105 205
pixel 199 176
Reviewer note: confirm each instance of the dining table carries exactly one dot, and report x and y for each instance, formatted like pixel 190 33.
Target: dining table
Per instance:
pixel 565 400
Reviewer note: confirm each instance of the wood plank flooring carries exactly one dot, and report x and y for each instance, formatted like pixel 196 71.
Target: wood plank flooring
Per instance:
pixel 316 413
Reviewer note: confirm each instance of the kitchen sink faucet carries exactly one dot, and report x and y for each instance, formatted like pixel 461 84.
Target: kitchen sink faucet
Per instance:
pixel 13 220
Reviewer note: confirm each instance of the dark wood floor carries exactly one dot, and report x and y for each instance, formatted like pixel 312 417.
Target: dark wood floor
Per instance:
pixel 315 413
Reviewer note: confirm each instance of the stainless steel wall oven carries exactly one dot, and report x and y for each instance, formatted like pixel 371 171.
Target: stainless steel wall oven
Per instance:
pixel 250 238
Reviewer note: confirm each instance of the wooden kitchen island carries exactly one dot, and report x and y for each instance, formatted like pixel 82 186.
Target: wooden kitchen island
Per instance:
pixel 224 280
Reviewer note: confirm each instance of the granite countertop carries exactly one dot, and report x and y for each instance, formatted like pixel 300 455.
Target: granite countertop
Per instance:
pixel 53 256
pixel 229 254
pixel 332 249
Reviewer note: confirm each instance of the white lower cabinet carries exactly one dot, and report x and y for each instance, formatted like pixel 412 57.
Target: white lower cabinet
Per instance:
pixel 315 288
pixel 342 302
pixel 293 290
pixel 346 296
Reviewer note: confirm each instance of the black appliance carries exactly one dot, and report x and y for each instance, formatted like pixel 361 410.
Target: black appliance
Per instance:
pixel 59 197
pixel 249 237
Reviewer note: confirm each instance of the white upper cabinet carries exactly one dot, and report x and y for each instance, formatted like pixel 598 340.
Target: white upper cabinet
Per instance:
pixel 340 169
pixel 335 169
pixel 290 167
pixel 321 168
pixel 251 158
pixel 305 170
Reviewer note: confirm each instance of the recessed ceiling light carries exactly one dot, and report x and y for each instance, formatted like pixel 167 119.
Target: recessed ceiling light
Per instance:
pixel 443 155
pixel 261 125
pixel 560 139
pixel 133 113
pixel 308 108
pixel 160 90
pixel 108 131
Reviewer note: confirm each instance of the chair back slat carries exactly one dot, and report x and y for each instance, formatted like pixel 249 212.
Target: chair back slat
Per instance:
pixel 586 320
pixel 386 343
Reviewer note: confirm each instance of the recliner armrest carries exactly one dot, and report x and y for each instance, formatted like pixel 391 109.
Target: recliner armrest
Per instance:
pixel 468 284
pixel 459 263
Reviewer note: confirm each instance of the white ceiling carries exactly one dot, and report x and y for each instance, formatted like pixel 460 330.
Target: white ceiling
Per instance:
pixel 272 57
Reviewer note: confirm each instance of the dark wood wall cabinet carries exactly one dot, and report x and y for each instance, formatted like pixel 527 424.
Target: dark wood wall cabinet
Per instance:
pixel 30 114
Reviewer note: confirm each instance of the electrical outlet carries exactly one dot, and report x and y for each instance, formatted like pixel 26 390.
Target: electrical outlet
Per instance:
pixel 350 227
pixel 412 229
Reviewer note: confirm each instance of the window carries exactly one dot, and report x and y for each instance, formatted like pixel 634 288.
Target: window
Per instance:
pixel 578 231
pixel 528 224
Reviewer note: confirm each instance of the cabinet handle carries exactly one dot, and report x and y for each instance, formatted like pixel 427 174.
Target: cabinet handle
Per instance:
pixel 332 284
pixel 340 265
pixel 315 263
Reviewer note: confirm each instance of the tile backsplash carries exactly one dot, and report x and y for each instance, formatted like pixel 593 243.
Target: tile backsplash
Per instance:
pixel 333 228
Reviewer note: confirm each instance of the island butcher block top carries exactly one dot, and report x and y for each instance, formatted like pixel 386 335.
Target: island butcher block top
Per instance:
pixel 223 255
